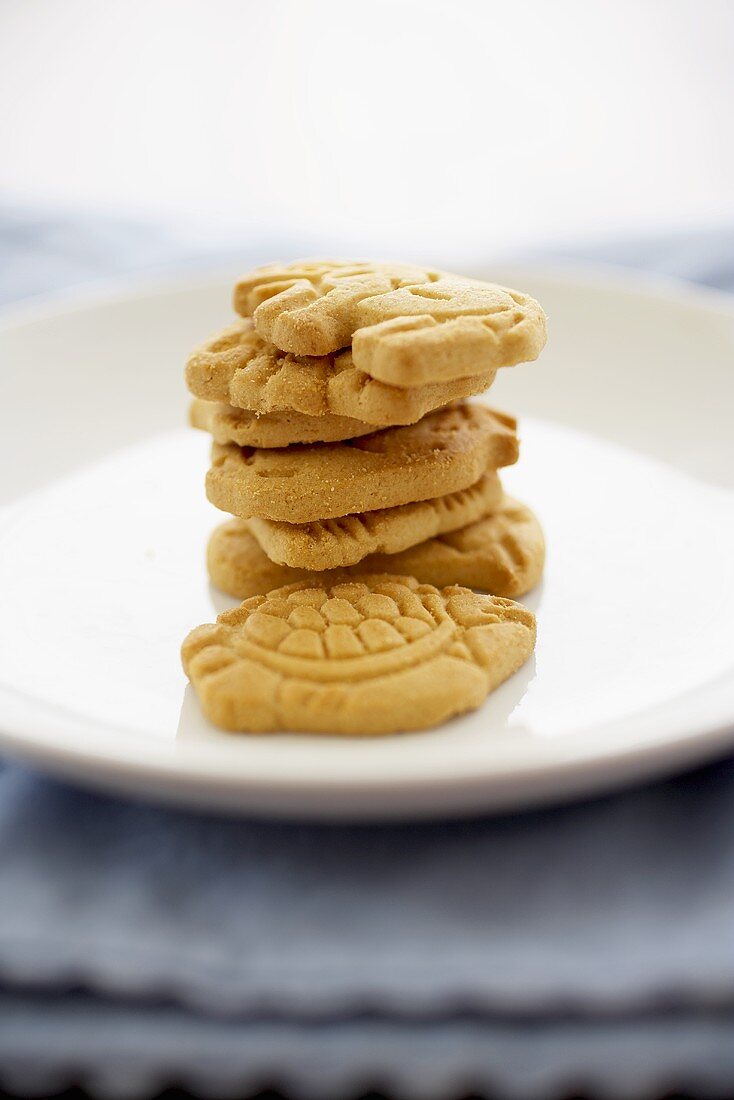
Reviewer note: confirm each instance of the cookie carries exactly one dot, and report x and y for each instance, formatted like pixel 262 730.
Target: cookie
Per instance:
pixel 407 326
pixel 280 429
pixel 373 656
pixel 239 368
pixel 503 554
pixel 447 329
pixel 336 543
pixel 446 451
pixel 306 280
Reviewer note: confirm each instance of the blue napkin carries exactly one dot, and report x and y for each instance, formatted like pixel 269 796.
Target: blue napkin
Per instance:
pixel 586 948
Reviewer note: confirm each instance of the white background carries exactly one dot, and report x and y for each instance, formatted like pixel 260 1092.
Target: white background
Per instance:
pixel 419 127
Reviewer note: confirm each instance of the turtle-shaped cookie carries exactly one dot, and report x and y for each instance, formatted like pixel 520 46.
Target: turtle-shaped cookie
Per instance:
pixel 407 326
pixel 373 656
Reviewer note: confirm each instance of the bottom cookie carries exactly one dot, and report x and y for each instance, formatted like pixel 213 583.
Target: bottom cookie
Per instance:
pixel 370 655
pixel 503 554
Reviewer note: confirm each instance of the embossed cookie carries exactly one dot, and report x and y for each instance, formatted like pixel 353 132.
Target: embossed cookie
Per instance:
pixel 239 368
pixel 407 326
pixel 335 543
pixel 446 451
pixel 373 656
pixel 503 554
pixel 300 283
pixel 280 429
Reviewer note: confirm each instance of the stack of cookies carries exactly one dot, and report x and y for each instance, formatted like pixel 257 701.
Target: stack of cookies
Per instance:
pixel 346 448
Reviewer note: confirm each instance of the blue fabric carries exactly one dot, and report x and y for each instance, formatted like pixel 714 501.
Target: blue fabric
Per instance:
pixel 586 947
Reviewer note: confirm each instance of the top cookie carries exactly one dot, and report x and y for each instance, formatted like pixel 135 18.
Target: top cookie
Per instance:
pixel 408 326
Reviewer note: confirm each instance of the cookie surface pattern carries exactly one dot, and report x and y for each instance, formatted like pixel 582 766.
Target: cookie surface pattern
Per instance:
pixel 503 554
pixel 248 429
pixel 336 543
pixel 407 326
pixel 446 451
pixel 237 367
pixel 373 656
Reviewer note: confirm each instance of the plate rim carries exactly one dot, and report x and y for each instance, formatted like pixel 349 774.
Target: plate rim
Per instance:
pixel 549 782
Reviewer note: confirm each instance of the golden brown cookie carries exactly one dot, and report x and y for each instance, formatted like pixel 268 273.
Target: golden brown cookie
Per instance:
pixel 407 326
pixel 447 329
pixel 373 656
pixel 503 554
pixel 336 543
pixel 305 280
pixel 446 451
pixel 280 429
pixel 239 368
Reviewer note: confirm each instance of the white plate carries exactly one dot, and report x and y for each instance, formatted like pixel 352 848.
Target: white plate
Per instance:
pixel 628 457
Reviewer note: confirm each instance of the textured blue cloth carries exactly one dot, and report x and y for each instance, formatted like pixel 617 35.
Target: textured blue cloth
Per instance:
pixel 589 947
